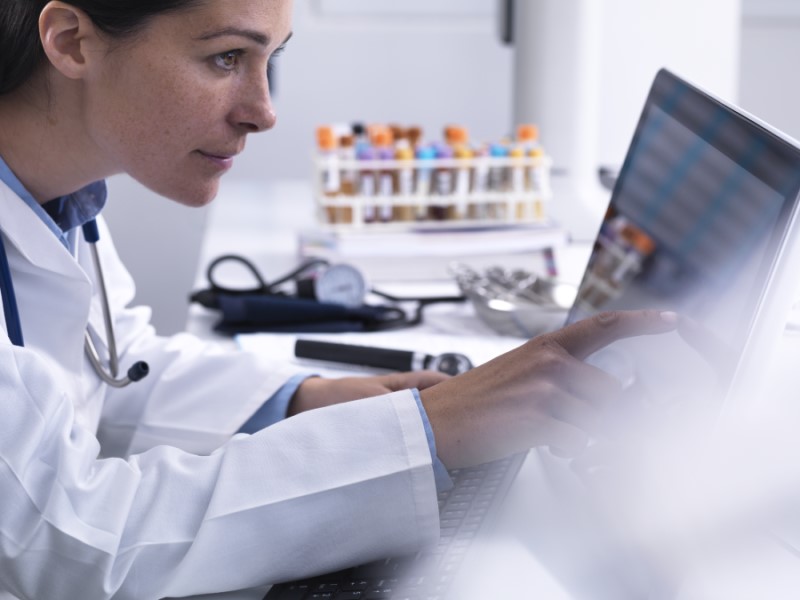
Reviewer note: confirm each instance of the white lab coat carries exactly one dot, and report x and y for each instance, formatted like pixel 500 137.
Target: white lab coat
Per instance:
pixel 142 492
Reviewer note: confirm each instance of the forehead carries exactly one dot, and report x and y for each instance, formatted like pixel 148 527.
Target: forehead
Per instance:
pixel 271 18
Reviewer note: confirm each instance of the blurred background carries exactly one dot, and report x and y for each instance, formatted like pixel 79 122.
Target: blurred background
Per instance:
pixel 580 69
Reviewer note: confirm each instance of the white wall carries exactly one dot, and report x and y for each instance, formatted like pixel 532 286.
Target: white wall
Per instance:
pixel 426 62
pixel 396 62
pixel 770 86
pixel 698 40
pixel 433 62
pixel 159 242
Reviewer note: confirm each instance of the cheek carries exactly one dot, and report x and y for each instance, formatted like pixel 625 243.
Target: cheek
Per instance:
pixel 166 118
pixel 155 111
pixel 148 122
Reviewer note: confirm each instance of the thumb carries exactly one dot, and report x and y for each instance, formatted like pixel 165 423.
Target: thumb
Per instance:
pixel 565 440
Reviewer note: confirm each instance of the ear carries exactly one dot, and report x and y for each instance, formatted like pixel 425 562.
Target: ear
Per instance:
pixel 69 38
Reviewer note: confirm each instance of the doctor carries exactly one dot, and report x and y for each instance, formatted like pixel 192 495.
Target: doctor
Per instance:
pixel 192 480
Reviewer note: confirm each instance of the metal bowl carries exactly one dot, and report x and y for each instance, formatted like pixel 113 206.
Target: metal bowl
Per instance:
pixel 516 303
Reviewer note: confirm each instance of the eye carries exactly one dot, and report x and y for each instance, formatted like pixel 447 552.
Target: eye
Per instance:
pixel 275 55
pixel 228 61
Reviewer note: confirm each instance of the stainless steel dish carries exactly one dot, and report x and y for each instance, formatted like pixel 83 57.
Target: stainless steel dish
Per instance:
pixel 515 303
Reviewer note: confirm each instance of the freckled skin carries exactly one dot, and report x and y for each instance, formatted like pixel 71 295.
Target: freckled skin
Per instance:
pixel 155 103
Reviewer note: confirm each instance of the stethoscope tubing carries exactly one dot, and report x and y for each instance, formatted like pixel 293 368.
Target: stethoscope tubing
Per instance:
pixel 14 323
pixel 10 309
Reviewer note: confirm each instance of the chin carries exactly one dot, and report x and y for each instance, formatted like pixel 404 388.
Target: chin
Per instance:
pixel 194 195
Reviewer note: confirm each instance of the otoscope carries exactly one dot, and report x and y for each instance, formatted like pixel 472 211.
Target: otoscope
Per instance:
pixel 450 363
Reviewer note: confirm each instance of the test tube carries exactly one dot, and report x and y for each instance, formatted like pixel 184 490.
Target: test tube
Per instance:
pixel 414 136
pixel 518 180
pixel 398 133
pixel 528 137
pixel 359 135
pixel 479 209
pixel 405 183
pixel 498 179
pixel 455 135
pixel 540 181
pixel 385 185
pixel 463 181
pixel 367 184
pixel 331 182
pixel 349 178
pixel 425 154
pixel 382 140
pixel 443 182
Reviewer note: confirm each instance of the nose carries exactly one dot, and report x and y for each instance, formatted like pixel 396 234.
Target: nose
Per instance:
pixel 254 111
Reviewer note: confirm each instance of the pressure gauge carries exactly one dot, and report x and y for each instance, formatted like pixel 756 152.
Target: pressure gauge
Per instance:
pixel 337 284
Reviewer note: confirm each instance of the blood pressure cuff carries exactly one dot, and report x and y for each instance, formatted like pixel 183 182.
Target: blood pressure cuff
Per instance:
pixel 252 313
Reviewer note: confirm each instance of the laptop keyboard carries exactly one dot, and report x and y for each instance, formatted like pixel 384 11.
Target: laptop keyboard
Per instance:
pixel 465 511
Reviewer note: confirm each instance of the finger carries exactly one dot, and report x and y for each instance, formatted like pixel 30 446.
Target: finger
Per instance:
pixel 604 463
pixel 597 457
pixel 563 439
pixel 587 337
pixel 708 345
pixel 591 384
pixel 412 379
pixel 568 409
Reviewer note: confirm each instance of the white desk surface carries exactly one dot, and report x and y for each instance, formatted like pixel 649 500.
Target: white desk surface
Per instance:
pixel 262 222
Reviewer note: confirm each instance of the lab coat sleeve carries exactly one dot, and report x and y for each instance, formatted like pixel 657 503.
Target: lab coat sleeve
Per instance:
pixel 198 393
pixel 328 488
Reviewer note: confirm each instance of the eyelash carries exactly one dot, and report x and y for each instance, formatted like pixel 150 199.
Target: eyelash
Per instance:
pixel 270 64
pixel 237 55
pixel 219 60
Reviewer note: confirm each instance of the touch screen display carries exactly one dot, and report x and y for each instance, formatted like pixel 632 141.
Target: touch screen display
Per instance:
pixel 695 220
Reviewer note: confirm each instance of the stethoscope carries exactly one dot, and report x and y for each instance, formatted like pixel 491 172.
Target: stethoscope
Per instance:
pixel 14 326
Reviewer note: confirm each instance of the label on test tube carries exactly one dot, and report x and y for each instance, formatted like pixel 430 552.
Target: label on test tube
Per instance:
pixel 405 183
pixel 480 185
pixel 424 181
pixel 540 181
pixel 498 180
pixel 443 182
pixel 463 154
pixel 517 155
pixel 386 186
pixel 327 146
pixel 349 177
pixel 367 185
pixel 540 176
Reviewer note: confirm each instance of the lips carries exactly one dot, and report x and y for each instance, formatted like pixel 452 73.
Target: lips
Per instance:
pixel 221 160
pixel 218 155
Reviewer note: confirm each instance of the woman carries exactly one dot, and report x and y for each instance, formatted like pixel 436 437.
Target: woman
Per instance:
pixel 134 492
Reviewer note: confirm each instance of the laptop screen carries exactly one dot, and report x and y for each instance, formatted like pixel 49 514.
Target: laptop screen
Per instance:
pixel 695 222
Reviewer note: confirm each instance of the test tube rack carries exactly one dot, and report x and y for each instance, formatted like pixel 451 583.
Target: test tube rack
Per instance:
pixel 417 194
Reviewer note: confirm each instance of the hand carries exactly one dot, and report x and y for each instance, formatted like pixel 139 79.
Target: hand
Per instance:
pixel 317 392
pixel 538 394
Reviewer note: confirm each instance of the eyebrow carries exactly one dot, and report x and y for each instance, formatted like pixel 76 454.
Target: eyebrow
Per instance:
pixel 257 37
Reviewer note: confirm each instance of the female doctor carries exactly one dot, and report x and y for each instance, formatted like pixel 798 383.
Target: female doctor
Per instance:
pixel 192 480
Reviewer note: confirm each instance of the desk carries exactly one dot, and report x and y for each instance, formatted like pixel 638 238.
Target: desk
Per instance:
pixel 262 223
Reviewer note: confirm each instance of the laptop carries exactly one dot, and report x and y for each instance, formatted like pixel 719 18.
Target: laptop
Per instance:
pixel 702 222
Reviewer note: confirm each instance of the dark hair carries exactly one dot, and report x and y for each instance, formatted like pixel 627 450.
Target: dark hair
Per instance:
pixel 21 50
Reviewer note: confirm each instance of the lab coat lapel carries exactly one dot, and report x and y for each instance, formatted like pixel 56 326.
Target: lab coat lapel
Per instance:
pixel 23 228
pixel 53 292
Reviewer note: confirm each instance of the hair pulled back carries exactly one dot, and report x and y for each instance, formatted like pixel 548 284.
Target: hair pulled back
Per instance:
pixel 21 50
